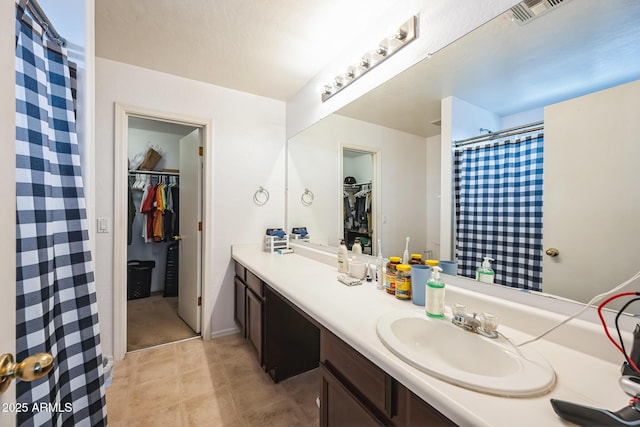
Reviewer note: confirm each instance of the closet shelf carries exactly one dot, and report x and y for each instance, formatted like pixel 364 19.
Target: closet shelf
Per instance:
pixel 153 173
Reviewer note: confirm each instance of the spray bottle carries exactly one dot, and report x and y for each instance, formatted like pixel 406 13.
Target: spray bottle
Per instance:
pixel 380 274
pixel 435 294
pixel 485 273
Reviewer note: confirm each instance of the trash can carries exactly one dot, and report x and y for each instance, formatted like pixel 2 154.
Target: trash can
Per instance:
pixel 139 278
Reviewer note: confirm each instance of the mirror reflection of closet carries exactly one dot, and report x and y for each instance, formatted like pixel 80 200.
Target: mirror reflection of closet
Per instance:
pixel 152 260
pixel 358 178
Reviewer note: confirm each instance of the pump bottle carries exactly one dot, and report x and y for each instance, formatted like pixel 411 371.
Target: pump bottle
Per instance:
pixel 485 274
pixel 343 258
pixel 435 294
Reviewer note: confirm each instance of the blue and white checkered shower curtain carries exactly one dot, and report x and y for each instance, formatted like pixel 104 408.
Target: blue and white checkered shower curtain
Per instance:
pixel 56 300
pixel 498 195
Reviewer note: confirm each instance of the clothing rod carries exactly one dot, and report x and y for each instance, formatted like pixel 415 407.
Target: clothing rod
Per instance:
pixel 493 138
pixel 499 134
pixel 43 20
pixel 154 173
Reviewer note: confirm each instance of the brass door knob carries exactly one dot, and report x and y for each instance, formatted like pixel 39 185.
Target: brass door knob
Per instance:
pixel 552 252
pixel 31 368
pixel 177 237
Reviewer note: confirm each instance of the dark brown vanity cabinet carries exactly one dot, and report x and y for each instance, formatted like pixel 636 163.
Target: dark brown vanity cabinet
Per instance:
pixel 249 307
pixel 285 339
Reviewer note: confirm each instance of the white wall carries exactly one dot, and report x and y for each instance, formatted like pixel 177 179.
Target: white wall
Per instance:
pixel 359 166
pixel 440 22
pixel 141 139
pixel 403 181
pixel 248 152
pixel 432 170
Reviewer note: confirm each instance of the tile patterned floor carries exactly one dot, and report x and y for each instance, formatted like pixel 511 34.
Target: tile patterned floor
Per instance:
pixel 207 383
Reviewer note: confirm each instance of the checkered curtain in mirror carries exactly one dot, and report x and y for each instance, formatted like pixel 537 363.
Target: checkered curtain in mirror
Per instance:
pixel 498 196
pixel 56 300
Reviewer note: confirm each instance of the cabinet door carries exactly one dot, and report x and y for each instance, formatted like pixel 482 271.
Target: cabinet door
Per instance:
pixel 414 411
pixel 339 407
pixel 291 340
pixel 254 322
pixel 240 299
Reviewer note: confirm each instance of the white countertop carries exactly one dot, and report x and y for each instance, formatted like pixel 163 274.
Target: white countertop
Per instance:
pixel 351 314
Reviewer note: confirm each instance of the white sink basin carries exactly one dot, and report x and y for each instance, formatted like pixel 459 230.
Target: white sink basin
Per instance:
pixel 464 358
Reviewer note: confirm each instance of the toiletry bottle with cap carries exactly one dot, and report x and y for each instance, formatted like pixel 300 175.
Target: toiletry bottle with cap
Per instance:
pixel 405 255
pixel 435 294
pixel 380 270
pixel 357 247
pixel 343 258
pixel 485 273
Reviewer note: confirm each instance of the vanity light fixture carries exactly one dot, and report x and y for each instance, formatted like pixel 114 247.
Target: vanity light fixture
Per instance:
pixel 386 48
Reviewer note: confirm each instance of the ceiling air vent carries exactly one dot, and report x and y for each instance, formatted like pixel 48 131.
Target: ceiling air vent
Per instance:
pixel 528 10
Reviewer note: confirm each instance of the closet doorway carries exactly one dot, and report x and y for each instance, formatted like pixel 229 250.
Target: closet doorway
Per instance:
pixel 164 199
pixel 194 216
pixel 360 201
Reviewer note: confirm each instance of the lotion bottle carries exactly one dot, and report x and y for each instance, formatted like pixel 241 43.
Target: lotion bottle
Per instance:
pixel 485 273
pixel 435 294
pixel 357 247
pixel 343 258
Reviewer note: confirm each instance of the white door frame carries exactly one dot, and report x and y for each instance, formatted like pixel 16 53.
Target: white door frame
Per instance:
pixel 375 184
pixel 122 114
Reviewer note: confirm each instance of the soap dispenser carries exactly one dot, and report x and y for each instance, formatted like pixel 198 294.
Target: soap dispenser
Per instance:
pixel 485 274
pixel 435 294
pixel 343 258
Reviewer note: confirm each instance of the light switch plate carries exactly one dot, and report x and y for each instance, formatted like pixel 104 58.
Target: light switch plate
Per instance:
pixel 103 225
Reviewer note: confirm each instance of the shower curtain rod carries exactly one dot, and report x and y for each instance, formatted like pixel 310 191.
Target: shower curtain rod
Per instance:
pixel 43 20
pixel 531 127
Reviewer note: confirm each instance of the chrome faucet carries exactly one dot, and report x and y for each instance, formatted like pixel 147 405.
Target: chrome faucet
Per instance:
pixel 485 327
pixel 466 321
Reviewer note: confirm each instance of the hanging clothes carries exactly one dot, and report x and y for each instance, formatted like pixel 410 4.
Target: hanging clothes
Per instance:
pixel 158 213
pixel 56 307
pixel 167 219
pixel 131 214
pixel 147 208
pixel 175 196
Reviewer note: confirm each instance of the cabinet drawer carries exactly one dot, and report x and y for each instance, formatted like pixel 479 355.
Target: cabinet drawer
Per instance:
pixel 240 271
pixel 356 371
pixel 254 283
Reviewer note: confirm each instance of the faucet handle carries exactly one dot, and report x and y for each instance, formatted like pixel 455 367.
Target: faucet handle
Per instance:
pixel 489 321
pixel 459 309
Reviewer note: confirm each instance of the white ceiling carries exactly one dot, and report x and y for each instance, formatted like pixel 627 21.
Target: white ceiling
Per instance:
pixel 265 47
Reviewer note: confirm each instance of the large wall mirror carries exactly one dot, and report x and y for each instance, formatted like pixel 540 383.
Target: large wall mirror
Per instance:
pixel 575 68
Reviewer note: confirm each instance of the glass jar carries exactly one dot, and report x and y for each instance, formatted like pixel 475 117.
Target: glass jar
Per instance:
pixel 390 276
pixel 403 281
pixel 415 259
pixel 431 262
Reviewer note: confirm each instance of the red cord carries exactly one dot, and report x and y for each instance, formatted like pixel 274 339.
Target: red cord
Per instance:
pixel 606 330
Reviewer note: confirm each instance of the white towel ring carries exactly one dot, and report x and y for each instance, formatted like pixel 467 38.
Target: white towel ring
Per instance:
pixel 261 196
pixel 307 197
